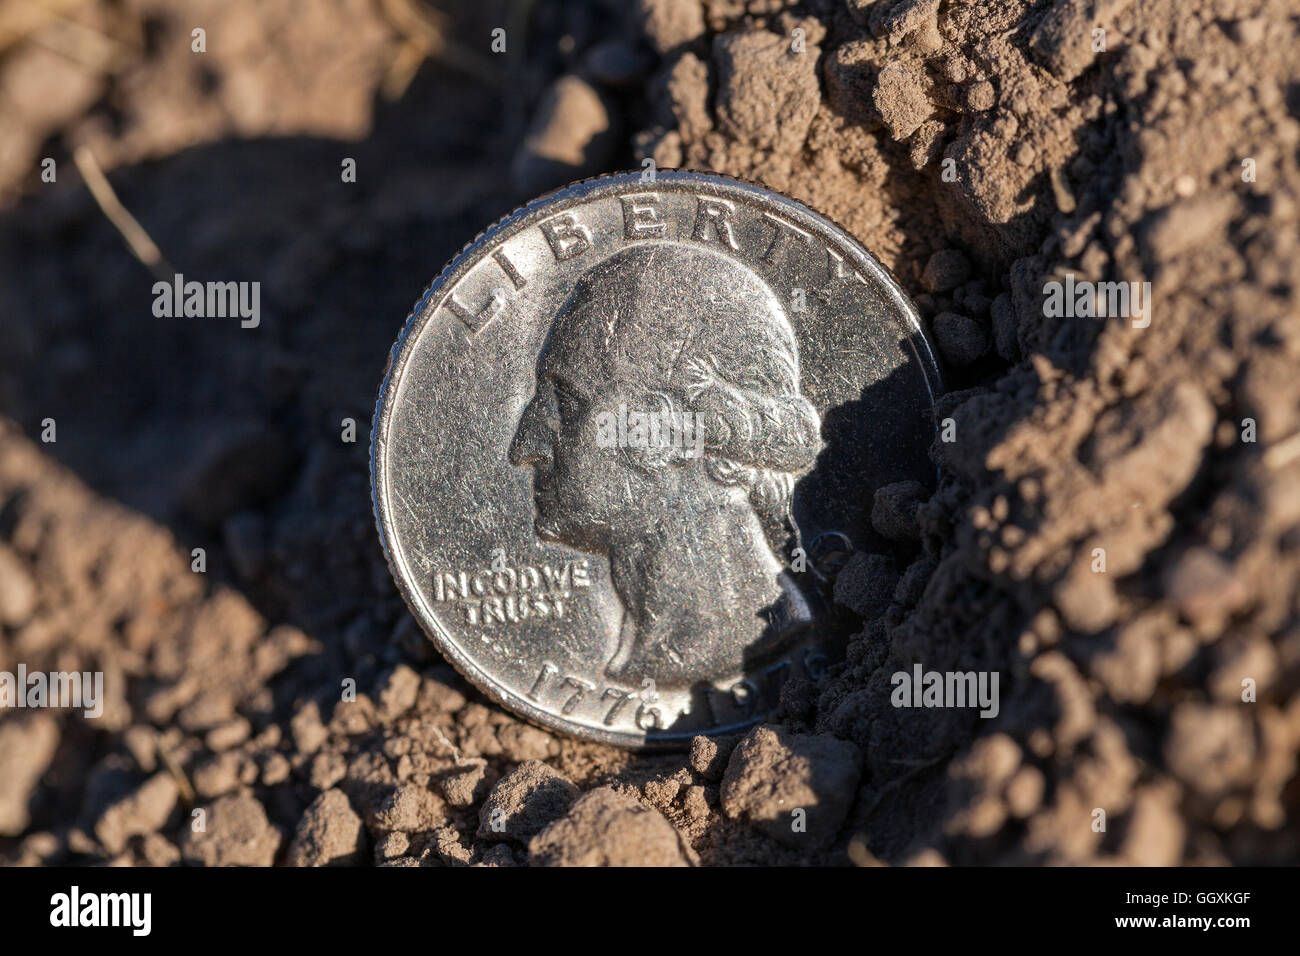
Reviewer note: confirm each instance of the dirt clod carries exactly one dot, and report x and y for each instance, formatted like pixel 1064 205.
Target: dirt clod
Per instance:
pixel 767 92
pixel 960 339
pixel 329 834
pixel 571 137
pixel 524 801
pixel 608 828
pixel 796 788
pixel 235 832
pixel 26 749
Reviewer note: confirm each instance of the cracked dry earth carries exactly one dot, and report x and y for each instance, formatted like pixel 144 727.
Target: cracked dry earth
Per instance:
pixel 981 150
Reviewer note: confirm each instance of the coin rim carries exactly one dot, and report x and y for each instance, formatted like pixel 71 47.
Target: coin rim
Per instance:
pixel 399 355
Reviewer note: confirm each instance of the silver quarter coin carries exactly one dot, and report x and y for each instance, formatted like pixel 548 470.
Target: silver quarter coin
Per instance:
pixel 624 441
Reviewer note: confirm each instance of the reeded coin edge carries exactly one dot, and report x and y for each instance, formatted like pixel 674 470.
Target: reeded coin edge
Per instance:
pixel 425 308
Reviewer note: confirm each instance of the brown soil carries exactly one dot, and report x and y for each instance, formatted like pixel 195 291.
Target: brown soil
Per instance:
pixel 980 149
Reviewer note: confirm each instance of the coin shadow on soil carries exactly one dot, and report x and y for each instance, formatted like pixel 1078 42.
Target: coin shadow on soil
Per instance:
pixel 879 438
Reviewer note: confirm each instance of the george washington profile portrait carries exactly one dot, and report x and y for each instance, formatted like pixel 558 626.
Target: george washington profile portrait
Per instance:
pixel 693 532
